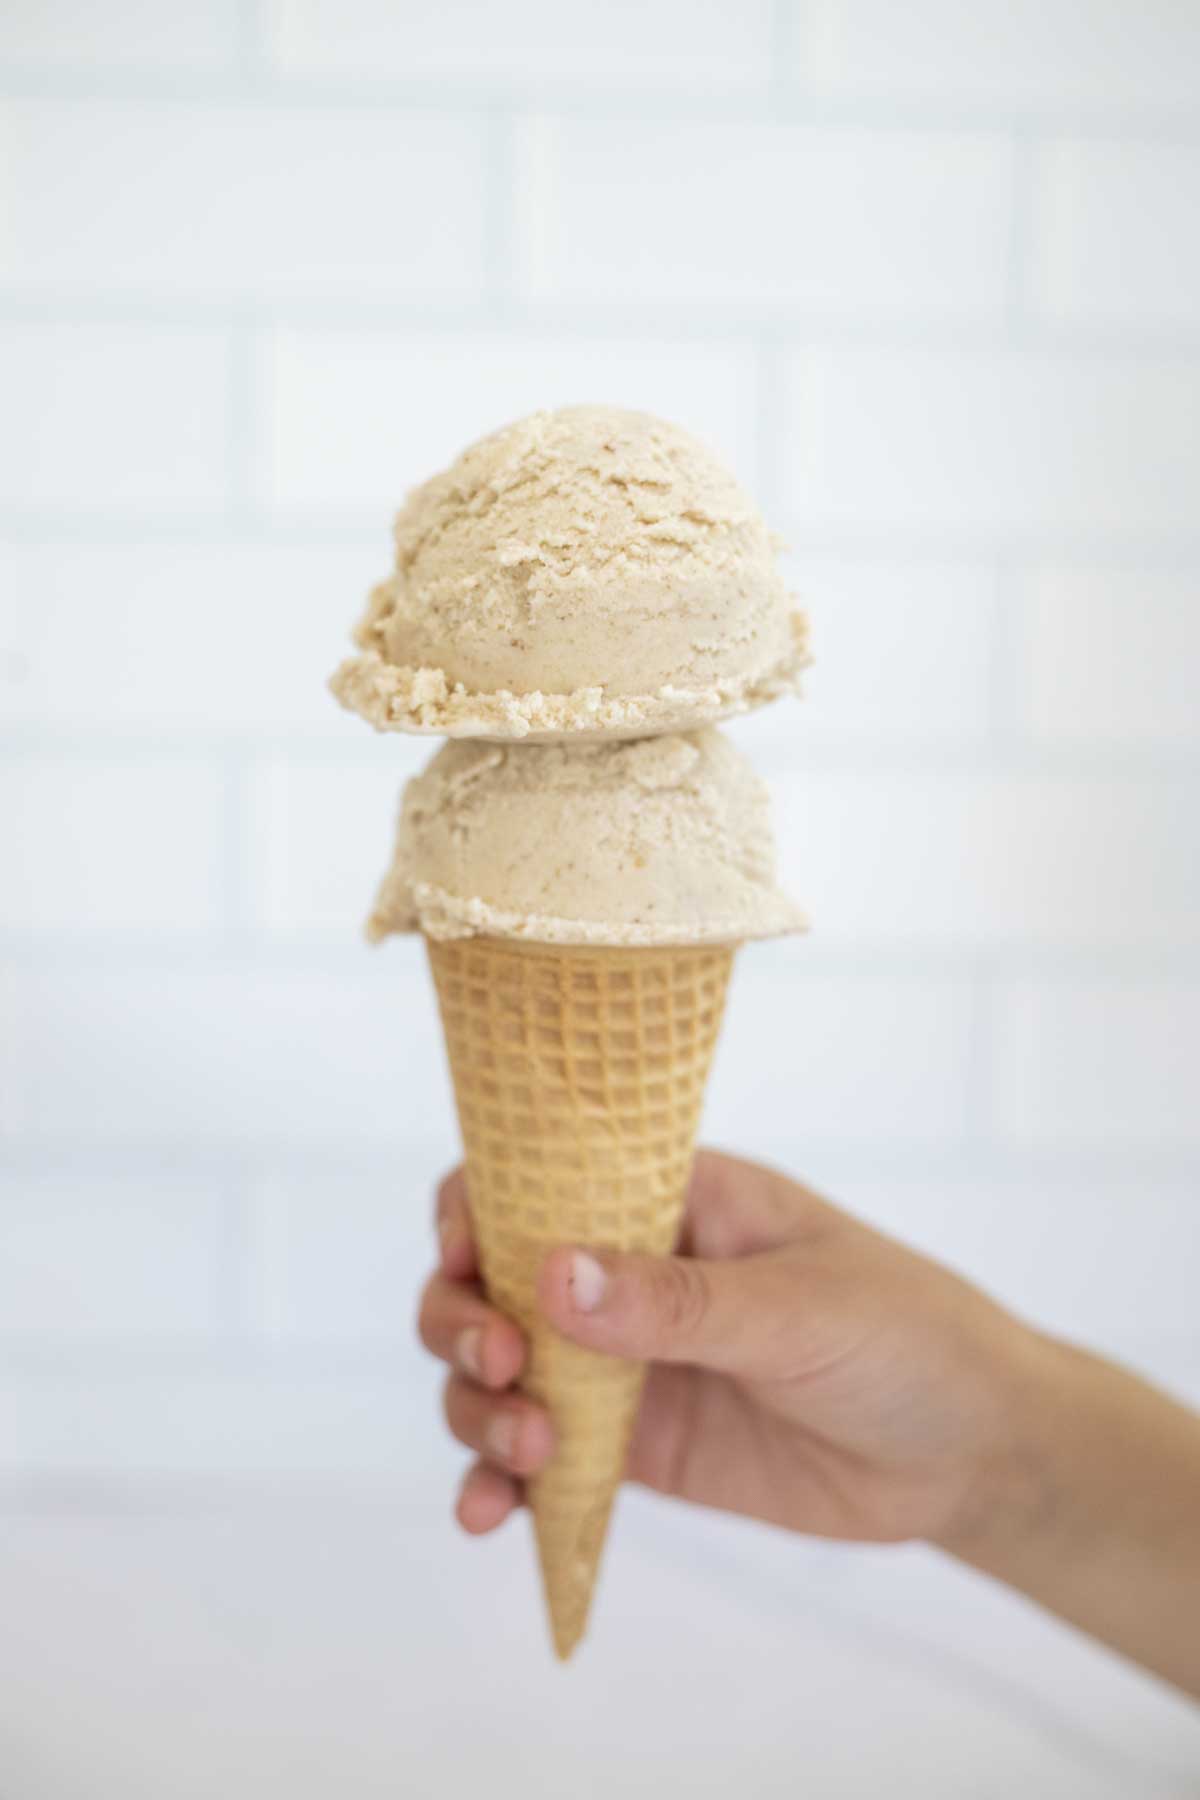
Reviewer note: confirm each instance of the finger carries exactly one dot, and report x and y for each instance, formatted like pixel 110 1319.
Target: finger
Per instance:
pixel 512 1432
pixel 735 1208
pixel 457 1245
pixel 743 1317
pixel 457 1325
pixel 485 1499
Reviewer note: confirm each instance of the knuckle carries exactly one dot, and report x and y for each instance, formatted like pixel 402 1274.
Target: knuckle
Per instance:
pixel 680 1297
pixel 452 1403
pixel 449 1191
pixel 424 1314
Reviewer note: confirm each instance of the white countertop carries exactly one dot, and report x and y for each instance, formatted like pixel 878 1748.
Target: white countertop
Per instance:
pixel 308 1643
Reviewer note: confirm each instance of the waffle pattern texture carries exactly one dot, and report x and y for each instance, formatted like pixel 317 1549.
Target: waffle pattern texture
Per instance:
pixel 579 1076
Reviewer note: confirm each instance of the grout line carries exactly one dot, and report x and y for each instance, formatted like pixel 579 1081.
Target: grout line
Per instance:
pixel 784 34
pixel 693 322
pixel 979 1074
pixel 1027 156
pixel 1008 700
pixel 236 1311
pixel 768 427
pixel 255 1272
pixel 578 97
pixel 252 41
pixel 501 240
pixel 238 906
pixel 243 420
pixel 31 1355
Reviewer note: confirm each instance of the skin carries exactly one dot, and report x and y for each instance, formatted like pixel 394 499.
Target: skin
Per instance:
pixel 811 1372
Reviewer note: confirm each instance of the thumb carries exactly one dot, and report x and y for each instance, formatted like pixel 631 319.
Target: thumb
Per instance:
pixel 730 1316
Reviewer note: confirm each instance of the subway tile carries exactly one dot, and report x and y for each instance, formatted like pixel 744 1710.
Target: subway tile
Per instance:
pixel 181 636
pixel 344 1245
pixel 351 419
pixel 1115 237
pixel 956 856
pixel 900 651
pixel 244 1421
pixel 1094 1259
pixel 745 214
pixel 114 416
pixel 87 1254
pixel 13 1039
pixel 1014 441
pixel 188 198
pixel 530 43
pixel 320 834
pixel 225 1053
pixel 1022 52
pixel 808 1055
pixel 121 35
pixel 1111 655
pixel 1105 1064
pixel 112 842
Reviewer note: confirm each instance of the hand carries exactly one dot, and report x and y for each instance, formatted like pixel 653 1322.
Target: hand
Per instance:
pixel 805 1369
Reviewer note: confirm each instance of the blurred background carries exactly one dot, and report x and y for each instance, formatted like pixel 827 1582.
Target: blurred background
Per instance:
pixel 928 276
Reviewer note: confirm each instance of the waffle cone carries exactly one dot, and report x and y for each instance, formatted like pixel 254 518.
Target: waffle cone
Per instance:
pixel 579 1075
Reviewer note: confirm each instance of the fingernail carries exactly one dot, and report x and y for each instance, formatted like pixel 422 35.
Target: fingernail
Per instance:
pixel 502 1436
pixel 467 1350
pixel 446 1237
pixel 587 1282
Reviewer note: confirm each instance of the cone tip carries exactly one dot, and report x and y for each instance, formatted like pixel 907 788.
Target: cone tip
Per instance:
pixel 567 1639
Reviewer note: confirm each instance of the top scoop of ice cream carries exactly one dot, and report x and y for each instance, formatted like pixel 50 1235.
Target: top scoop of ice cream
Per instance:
pixel 663 841
pixel 587 572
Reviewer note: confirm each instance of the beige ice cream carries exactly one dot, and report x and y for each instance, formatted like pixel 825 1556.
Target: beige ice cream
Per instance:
pixel 663 841
pixel 582 573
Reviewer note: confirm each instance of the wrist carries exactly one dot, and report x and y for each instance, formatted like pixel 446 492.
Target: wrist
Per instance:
pixel 1009 1486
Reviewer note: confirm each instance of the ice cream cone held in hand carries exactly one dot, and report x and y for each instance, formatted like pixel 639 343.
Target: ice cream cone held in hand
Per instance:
pixel 579 1075
pixel 582 899
pixel 580 905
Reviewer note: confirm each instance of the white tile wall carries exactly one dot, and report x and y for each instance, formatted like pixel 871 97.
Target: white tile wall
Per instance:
pixel 1046 52
pixel 250 1054
pixel 903 651
pixel 1109 1063
pixel 111 418
pixel 926 275
pixel 112 841
pixel 594 43
pixel 107 1256
pixel 967 857
pixel 1002 442
pixel 1115 233
pixel 882 1061
pixel 181 637
pixel 320 835
pixel 1050 1245
pixel 1111 655
pixel 751 214
pixel 342 1259
pixel 122 35
pixel 349 419
pixel 191 200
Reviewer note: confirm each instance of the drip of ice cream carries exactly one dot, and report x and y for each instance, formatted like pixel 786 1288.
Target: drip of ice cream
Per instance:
pixel 583 573
pixel 663 841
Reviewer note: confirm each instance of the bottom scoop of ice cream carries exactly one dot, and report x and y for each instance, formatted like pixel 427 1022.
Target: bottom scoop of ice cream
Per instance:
pixel 661 841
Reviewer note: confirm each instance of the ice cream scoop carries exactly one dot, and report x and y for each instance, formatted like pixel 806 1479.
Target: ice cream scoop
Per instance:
pixel 662 841
pixel 584 573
